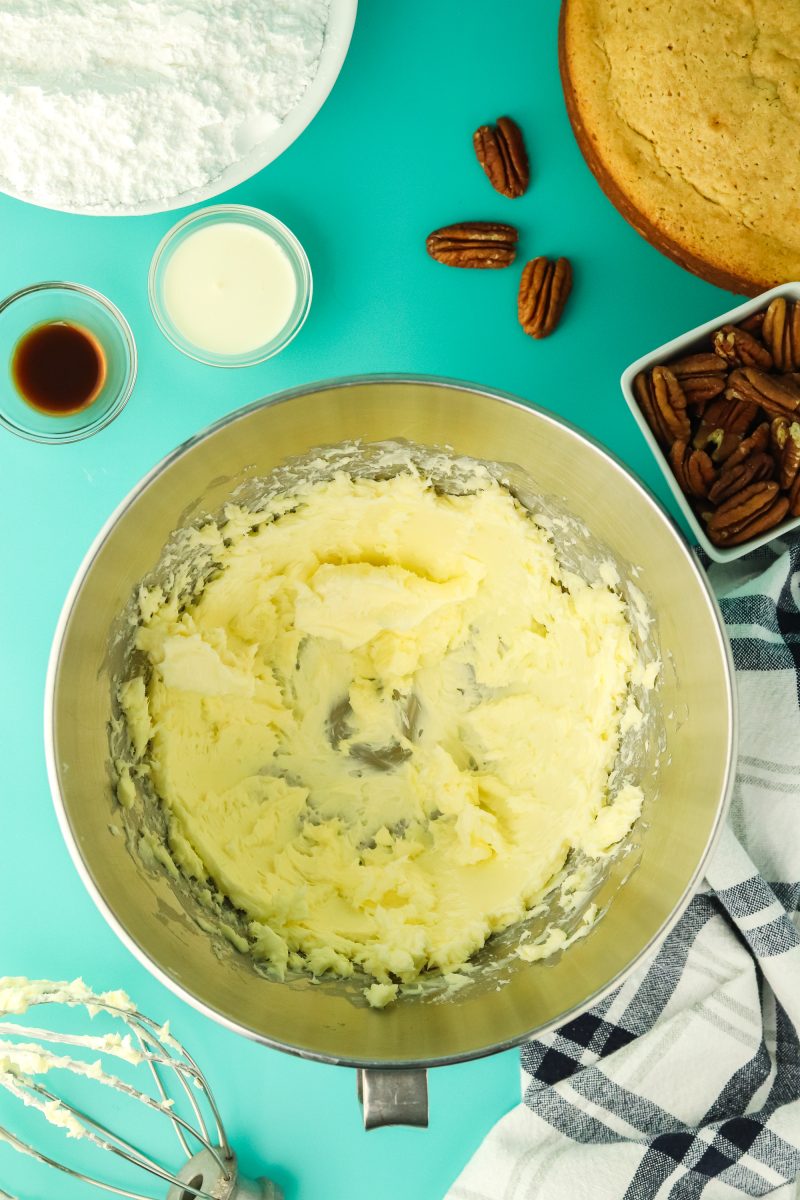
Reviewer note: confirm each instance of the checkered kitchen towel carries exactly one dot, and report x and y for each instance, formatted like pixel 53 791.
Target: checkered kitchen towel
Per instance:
pixel 685 1082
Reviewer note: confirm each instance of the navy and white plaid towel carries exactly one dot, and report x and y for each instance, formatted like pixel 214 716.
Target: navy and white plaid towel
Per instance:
pixel 685 1082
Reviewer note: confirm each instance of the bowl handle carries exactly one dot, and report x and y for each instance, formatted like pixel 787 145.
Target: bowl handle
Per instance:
pixel 395 1097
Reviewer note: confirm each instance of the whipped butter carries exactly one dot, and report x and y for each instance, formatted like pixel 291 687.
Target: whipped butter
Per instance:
pixel 383 723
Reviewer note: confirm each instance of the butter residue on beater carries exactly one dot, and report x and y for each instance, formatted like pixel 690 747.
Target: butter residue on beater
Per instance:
pixel 382 724
pixel 21 1062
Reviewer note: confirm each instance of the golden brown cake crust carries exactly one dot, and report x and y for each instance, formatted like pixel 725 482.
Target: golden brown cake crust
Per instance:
pixel 689 114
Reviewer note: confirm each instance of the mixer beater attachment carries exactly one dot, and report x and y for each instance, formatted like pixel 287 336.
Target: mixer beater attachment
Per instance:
pixel 28 1054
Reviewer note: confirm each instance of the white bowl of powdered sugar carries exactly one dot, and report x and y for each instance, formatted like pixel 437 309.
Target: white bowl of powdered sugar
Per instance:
pixel 147 105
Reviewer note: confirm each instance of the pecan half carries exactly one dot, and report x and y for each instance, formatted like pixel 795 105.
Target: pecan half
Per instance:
pixel 698 364
pixel 481 244
pixel 670 402
pixel 735 478
pixel 737 515
pixel 762 523
pixel 702 377
pixel 728 418
pixel 778 432
pixel 756 443
pixel 693 469
pixel 790 457
pixel 754 323
pixel 794 498
pixel 643 391
pixel 543 291
pixel 781 333
pixel 502 154
pixel 724 425
pixel 740 348
pixel 777 397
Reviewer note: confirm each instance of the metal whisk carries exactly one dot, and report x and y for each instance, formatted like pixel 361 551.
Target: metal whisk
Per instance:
pixel 27 1054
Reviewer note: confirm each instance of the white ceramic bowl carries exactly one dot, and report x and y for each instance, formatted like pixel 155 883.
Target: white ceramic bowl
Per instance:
pixel 691 343
pixel 341 19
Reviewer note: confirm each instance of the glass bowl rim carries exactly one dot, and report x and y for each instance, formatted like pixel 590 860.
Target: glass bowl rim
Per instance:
pixel 82 431
pixel 224 213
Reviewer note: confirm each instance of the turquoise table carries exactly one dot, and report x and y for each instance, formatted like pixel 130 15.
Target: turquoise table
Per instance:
pixel 388 159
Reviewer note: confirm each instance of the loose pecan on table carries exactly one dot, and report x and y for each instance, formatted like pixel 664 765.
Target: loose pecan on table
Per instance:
pixel 501 152
pixel 543 291
pixel 477 244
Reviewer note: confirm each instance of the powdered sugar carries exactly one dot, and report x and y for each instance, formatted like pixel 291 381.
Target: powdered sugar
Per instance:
pixel 112 103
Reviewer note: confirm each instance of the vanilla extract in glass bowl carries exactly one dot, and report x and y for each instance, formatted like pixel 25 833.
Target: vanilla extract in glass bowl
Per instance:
pixel 58 367
pixel 69 362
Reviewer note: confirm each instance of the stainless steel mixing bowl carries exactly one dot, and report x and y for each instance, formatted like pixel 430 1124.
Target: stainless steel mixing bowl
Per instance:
pixel 692 779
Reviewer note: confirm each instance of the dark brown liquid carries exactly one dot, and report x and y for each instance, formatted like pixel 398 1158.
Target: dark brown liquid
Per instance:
pixel 58 368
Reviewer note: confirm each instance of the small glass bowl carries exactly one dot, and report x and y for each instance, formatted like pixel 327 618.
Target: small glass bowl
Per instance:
pixel 54 301
pixel 239 214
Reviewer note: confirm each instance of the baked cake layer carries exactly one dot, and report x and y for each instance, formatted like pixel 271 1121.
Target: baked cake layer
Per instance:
pixel 689 114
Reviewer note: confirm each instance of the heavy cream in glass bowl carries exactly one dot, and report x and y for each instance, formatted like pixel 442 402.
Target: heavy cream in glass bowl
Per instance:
pixel 230 286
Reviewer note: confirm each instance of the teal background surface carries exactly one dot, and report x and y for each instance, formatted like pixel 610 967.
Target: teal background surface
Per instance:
pixel 388 159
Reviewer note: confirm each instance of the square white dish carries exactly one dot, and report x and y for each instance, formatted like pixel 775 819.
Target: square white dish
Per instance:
pixel 690 343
